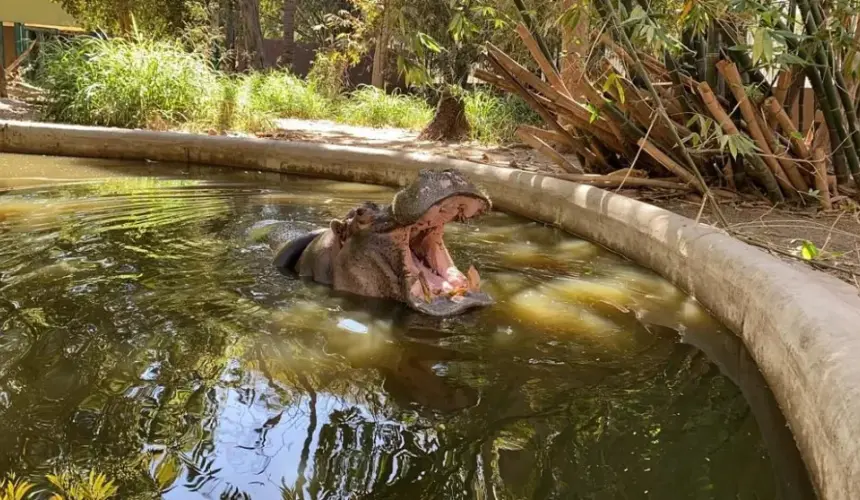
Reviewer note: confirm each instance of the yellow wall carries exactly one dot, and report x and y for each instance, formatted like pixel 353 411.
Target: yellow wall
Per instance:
pixel 35 12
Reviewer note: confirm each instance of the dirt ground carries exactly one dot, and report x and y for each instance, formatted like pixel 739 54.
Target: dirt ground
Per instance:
pixel 836 235
pixel 18 106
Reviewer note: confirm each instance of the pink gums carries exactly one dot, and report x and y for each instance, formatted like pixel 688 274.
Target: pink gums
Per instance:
pixel 428 256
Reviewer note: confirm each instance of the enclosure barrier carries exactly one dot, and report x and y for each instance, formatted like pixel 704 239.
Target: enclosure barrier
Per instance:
pixel 801 327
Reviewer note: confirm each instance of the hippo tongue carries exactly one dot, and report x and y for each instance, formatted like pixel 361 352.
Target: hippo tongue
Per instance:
pixel 428 259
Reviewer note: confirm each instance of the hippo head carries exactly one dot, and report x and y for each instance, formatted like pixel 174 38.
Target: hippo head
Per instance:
pixel 397 251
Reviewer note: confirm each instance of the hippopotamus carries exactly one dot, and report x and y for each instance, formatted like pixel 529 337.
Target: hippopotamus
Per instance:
pixel 395 251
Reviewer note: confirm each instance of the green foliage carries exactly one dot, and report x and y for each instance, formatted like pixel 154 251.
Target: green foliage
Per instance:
pixel 13 488
pixel 67 486
pixel 327 72
pixel 117 16
pixel 123 83
pixel 494 119
pixel 808 250
pixel 441 39
pixel 73 486
pixel 370 106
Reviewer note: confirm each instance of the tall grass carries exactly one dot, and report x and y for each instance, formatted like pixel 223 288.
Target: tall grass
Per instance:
pixel 282 94
pixel 124 83
pixel 494 119
pixel 372 107
pixel 143 83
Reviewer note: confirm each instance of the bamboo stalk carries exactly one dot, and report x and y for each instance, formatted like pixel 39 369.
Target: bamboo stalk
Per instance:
pixel 527 19
pixel 741 57
pixel 669 163
pixel 853 126
pixel 492 79
pixel 829 94
pixel 797 85
pixel 545 66
pixel 17 62
pixel 733 78
pixel 783 82
pixel 613 114
pixel 523 75
pixel 546 135
pixel 547 150
pixel 821 184
pixel 614 23
pixel 757 165
pixel 629 172
pixel 774 108
pixel 821 138
pixel 530 100
pixel 579 119
pixel 609 181
pixel 547 117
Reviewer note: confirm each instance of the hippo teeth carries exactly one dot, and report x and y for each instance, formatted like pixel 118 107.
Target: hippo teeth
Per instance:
pixel 473 278
pixel 425 287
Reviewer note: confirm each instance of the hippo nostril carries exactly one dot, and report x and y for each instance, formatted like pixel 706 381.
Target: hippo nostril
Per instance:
pixel 360 212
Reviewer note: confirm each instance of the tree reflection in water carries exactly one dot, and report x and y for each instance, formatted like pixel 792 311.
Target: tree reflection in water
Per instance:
pixel 145 335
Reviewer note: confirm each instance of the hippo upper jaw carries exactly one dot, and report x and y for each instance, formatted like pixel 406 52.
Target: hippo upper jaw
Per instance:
pixel 434 284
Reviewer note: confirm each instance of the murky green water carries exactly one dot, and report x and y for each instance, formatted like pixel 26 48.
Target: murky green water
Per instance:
pixel 142 334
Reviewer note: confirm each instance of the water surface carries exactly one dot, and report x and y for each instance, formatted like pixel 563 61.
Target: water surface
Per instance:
pixel 144 334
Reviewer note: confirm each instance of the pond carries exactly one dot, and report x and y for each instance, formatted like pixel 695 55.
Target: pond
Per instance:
pixel 145 334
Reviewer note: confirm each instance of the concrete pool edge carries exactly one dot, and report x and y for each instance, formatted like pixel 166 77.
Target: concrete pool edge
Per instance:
pixel 800 326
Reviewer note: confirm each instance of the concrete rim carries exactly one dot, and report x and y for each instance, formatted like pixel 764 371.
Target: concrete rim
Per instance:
pixel 801 327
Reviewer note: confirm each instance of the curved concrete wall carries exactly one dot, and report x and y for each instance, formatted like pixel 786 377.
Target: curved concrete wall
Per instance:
pixel 801 327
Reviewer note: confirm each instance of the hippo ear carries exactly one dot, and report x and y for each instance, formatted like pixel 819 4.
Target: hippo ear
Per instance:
pixel 338 228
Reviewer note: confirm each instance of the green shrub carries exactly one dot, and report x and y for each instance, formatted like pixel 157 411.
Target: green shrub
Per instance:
pixel 372 107
pixel 124 83
pixel 494 119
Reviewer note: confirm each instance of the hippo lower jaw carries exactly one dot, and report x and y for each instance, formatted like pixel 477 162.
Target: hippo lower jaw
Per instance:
pixel 434 284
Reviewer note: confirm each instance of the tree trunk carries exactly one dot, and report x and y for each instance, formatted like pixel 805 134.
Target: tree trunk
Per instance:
pixel 380 54
pixel 229 35
pixel 449 123
pixel 289 21
pixel 124 18
pixel 4 93
pixel 253 33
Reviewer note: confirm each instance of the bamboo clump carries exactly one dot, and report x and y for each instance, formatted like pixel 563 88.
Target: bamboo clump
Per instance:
pixel 635 111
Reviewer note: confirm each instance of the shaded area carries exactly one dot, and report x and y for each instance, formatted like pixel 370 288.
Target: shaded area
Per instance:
pixel 145 334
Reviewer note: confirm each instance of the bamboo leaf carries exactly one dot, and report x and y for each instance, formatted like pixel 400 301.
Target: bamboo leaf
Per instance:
pixel 767 47
pixel 808 250
pixel 791 59
pixel 636 16
pixel 594 113
pixel 758 45
pixel 570 17
pixel 428 42
pixel 688 6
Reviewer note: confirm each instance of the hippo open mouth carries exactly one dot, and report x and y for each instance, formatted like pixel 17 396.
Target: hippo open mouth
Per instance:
pixel 436 285
pixel 394 251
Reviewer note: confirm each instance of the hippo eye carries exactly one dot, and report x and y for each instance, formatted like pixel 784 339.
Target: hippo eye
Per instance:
pixel 360 212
